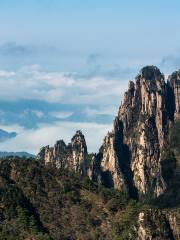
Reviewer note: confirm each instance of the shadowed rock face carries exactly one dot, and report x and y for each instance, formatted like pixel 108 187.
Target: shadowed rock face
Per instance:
pixel 109 170
pixel 174 85
pixel 130 157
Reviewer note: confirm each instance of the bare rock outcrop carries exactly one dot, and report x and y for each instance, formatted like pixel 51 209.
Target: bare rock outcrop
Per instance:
pixel 134 150
pixel 73 156
pixel 144 116
pixel 109 171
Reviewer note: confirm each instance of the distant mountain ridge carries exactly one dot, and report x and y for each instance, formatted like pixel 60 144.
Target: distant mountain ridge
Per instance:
pixel 16 154
pixel 4 136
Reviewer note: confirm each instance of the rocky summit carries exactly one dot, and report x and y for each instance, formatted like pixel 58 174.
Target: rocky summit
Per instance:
pixel 131 155
pixel 73 156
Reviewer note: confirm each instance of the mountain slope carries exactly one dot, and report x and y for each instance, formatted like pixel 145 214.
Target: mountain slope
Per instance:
pixel 38 202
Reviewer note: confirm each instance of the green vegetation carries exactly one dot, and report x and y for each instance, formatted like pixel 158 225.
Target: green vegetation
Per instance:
pixel 171 154
pixel 168 164
pixel 38 202
pixel 122 223
pixel 150 72
pixel 175 138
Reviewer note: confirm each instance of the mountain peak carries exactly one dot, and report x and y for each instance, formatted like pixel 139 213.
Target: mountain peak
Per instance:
pixel 71 156
pixel 131 155
pixel 150 73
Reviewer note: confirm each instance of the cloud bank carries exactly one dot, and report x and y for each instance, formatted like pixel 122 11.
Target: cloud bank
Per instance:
pixel 32 139
pixel 44 106
pixel 33 83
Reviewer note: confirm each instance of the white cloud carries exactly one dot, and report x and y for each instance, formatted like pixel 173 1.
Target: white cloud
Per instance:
pixel 39 114
pixel 62 114
pixel 32 82
pixel 6 74
pixel 32 140
pixel 109 110
pixel 12 128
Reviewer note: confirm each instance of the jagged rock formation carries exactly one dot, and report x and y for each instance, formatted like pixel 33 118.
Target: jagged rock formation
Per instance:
pixel 130 157
pixel 73 156
pixel 146 112
pixel 144 117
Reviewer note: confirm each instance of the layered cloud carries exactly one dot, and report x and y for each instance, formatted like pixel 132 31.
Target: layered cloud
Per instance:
pixel 32 139
pixel 33 83
pixel 172 62
pixel 44 106
pixel 48 105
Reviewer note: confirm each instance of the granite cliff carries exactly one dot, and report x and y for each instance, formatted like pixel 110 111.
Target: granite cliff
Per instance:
pixel 73 156
pixel 131 155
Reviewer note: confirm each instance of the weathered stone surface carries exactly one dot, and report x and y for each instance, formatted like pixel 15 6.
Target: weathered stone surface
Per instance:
pixel 110 173
pixel 143 119
pixel 146 116
pixel 73 156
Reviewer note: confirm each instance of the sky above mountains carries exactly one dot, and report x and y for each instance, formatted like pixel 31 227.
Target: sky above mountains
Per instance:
pixel 64 65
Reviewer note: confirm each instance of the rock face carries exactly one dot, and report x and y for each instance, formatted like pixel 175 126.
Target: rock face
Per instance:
pixel 73 156
pixel 109 171
pixel 130 157
pixel 144 117
pixel 174 86
pixel 131 153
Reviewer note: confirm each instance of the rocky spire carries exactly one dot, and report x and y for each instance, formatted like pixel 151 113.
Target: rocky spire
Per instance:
pixel 132 152
pixel 72 156
pixel 144 117
pixel 79 151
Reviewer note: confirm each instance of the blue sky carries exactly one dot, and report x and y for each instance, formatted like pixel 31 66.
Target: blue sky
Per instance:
pixel 67 63
pixel 70 31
